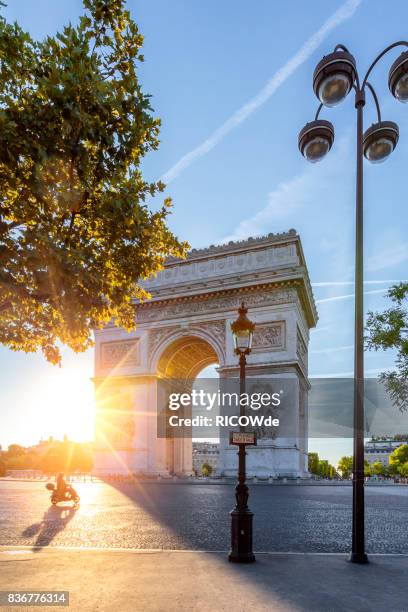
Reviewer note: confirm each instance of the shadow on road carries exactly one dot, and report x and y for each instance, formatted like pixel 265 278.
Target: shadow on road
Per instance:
pixel 54 521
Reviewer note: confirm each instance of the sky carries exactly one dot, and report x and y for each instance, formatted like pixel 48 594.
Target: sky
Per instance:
pixel 232 83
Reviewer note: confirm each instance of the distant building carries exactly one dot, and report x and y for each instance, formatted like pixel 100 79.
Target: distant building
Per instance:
pixel 42 446
pixel 378 450
pixel 205 452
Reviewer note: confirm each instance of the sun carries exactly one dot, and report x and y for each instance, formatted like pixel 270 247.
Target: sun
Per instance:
pixel 61 401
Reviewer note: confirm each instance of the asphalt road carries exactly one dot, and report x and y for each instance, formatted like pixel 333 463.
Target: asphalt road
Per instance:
pixel 178 516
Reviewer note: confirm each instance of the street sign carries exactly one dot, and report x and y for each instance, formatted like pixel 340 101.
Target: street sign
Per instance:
pixel 240 437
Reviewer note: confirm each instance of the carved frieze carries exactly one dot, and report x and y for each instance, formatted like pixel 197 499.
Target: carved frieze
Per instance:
pixel 119 353
pixel 214 328
pixel 208 304
pixel 301 350
pixel 193 271
pixel 269 336
pixel 157 335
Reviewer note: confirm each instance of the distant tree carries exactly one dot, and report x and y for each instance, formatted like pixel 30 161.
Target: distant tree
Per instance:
pixel 345 466
pixel 386 470
pixel 15 450
pixel 398 458
pixel 313 463
pixel 3 467
pixel 76 232
pixel 403 469
pixel 388 330
pixel 320 467
pixel 67 457
pixel 377 469
pixel 78 458
pixel 332 471
pixel 391 469
pixel 18 462
pixel 53 459
pixel 206 469
pixel 367 468
pixel 325 469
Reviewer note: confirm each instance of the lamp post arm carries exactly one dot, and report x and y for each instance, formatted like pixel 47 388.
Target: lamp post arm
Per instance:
pixel 399 43
pixel 318 112
pixel 344 48
pixel 371 88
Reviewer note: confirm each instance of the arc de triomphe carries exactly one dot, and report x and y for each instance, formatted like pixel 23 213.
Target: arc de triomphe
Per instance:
pixel 186 327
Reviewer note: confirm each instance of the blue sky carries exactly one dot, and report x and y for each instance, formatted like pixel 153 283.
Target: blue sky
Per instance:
pixel 243 174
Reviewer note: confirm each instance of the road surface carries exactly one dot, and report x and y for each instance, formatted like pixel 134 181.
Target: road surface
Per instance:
pixel 196 517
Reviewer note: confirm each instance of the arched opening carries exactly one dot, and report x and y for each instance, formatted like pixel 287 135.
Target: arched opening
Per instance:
pixel 185 360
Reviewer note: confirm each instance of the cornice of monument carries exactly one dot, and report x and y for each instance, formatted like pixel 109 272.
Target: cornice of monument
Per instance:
pixel 238 266
pixel 235 246
pixel 300 283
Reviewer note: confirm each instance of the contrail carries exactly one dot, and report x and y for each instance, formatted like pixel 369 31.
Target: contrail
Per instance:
pixel 368 282
pixel 346 297
pixel 332 349
pixel 346 11
pixel 346 374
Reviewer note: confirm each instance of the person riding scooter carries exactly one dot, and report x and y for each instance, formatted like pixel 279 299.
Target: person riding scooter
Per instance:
pixel 63 489
pixel 62 492
pixel 61 485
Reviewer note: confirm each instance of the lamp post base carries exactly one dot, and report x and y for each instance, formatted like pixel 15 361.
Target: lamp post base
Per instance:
pixel 241 537
pixel 358 558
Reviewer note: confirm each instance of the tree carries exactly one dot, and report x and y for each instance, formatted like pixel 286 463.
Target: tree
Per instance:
pixel 206 469
pixel 325 469
pixel 345 466
pixel 377 469
pixel 313 463
pixel 333 472
pixel 398 458
pixel 76 232
pixel 15 450
pixel 320 467
pixel 387 330
pixel 403 469
pixel 367 468
pixel 67 457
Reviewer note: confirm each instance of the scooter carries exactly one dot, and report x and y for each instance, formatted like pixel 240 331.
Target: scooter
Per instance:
pixel 69 495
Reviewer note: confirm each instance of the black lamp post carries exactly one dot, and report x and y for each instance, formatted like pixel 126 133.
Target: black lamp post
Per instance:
pixel 334 77
pixel 241 517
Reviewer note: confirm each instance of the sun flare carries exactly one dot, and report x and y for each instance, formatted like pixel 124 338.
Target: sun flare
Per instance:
pixel 61 401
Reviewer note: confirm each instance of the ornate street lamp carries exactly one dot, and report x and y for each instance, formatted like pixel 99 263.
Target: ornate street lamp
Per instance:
pixel 333 79
pixel 398 78
pixel 241 517
pixel 316 139
pixel 380 140
pixel 334 76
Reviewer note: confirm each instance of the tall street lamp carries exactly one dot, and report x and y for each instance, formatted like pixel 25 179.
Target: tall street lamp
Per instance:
pixel 334 77
pixel 241 517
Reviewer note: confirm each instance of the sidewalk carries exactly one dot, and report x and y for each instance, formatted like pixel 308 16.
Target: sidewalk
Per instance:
pixel 167 581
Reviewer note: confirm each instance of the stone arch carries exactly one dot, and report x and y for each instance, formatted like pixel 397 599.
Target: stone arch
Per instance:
pixel 181 357
pixel 194 349
pixel 185 326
